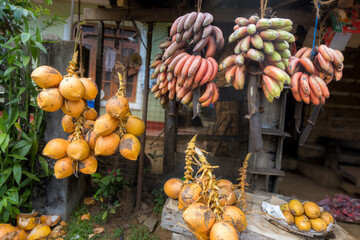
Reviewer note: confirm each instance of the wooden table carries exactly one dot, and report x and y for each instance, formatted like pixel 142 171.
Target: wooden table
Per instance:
pixel 258 227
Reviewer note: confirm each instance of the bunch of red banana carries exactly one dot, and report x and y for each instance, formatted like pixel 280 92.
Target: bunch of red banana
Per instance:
pixel 327 64
pixel 311 85
pixel 178 71
pixel 265 41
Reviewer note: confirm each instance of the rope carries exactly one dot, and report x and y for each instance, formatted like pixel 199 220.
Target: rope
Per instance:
pixel 316 23
pixel 263 5
pixel 199 3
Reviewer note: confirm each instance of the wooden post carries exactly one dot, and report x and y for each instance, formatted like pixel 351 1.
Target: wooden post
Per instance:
pixel 255 137
pixel 144 116
pixel 170 136
pixel 99 63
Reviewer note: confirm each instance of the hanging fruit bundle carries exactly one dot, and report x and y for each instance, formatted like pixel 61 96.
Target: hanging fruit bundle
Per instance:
pixel 207 204
pixel 70 94
pixel 187 62
pixel 266 42
pixel 117 128
pixel 309 78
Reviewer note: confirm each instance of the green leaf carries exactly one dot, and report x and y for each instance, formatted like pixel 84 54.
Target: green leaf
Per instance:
pixel 16 100
pixel 39 45
pixel 25 60
pixel 18 13
pixel 17 173
pixel 13 114
pixel 25 182
pixel 24 196
pixel 20 91
pixel 2 137
pixel 13 196
pixel 103 217
pixel 112 211
pixel 5 143
pixel 44 165
pixel 96 175
pixel 105 180
pixel 21 143
pixel 2 191
pixel 25 37
pixel 34 148
pixel 8 71
pixel 11 59
pixel 17 156
pixel 6 216
pixel 25 150
pixel 30 175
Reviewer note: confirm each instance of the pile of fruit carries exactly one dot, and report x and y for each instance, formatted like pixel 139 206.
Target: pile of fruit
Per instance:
pixel 186 61
pixel 265 42
pixel 342 207
pixel 31 227
pixel 309 78
pixel 306 216
pixel 207 204
pixel 90 135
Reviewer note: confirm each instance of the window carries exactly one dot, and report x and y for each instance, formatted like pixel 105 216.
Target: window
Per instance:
pixel 119 45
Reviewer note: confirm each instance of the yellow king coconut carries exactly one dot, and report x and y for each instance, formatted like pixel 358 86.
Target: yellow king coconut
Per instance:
pixel 90 114
pixel 91 89
pixel 68 124
pixel 50 100
pixel 235 216
pixel 7 231
pixel 135 126
pixel 40 231
pixel 222 230
pixel 117 107
pixel 50 220
pixel 89 165
pixel 172 187
pixel 129 147
pixel 56 148
pixel 199 217
pixel 88 124
pixel 72 88
pixel 189 194
pixel 105 125
pixel 73 108
pixel 90 138
pixel 63 168
pixel 107 145
pixel 46 77
pixel 20 235
pixel 78 150
pixel 27 223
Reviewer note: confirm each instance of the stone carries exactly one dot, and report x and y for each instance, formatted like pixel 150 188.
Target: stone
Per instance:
pixel 142 218
pixel 150 223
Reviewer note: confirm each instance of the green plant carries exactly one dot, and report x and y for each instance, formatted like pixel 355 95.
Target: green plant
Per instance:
pixel 109 184
pixel 159 200
pixel 140 232
pixel 155 156
pixel 21 124
pixel 118 232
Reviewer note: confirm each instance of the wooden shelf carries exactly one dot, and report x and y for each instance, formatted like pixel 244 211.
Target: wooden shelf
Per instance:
pixel 274 132
pixel 269 172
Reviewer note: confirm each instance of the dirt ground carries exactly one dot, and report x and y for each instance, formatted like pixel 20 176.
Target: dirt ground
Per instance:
pixel 298 186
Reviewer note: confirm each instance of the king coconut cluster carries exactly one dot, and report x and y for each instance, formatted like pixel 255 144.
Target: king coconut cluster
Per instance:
pixel 306 216
pixel 208 205
pixel 266 42
pixel 31 227
pixel 90 135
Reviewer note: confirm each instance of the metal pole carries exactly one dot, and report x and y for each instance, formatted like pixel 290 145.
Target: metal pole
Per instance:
pixel 99 63
pixel 144 116
pixel 71 15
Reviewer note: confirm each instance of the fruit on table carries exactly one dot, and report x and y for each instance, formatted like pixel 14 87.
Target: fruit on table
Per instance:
pixel 311 209
pixel 285 207
pixel 188 194
pixel 224 183
pixel 27 223
pixel 172 187
pixel 40 231
pixel 296 207
pixel 236 216
pixel 226 196
pixel 327 217
pixel 7 231
pixel 199 217
pixel 302 223
pixel 222 230
pixel 289 217
pixel 318 225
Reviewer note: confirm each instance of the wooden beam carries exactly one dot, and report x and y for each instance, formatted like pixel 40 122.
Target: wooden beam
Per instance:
pixel 170 14
pixel 99 63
